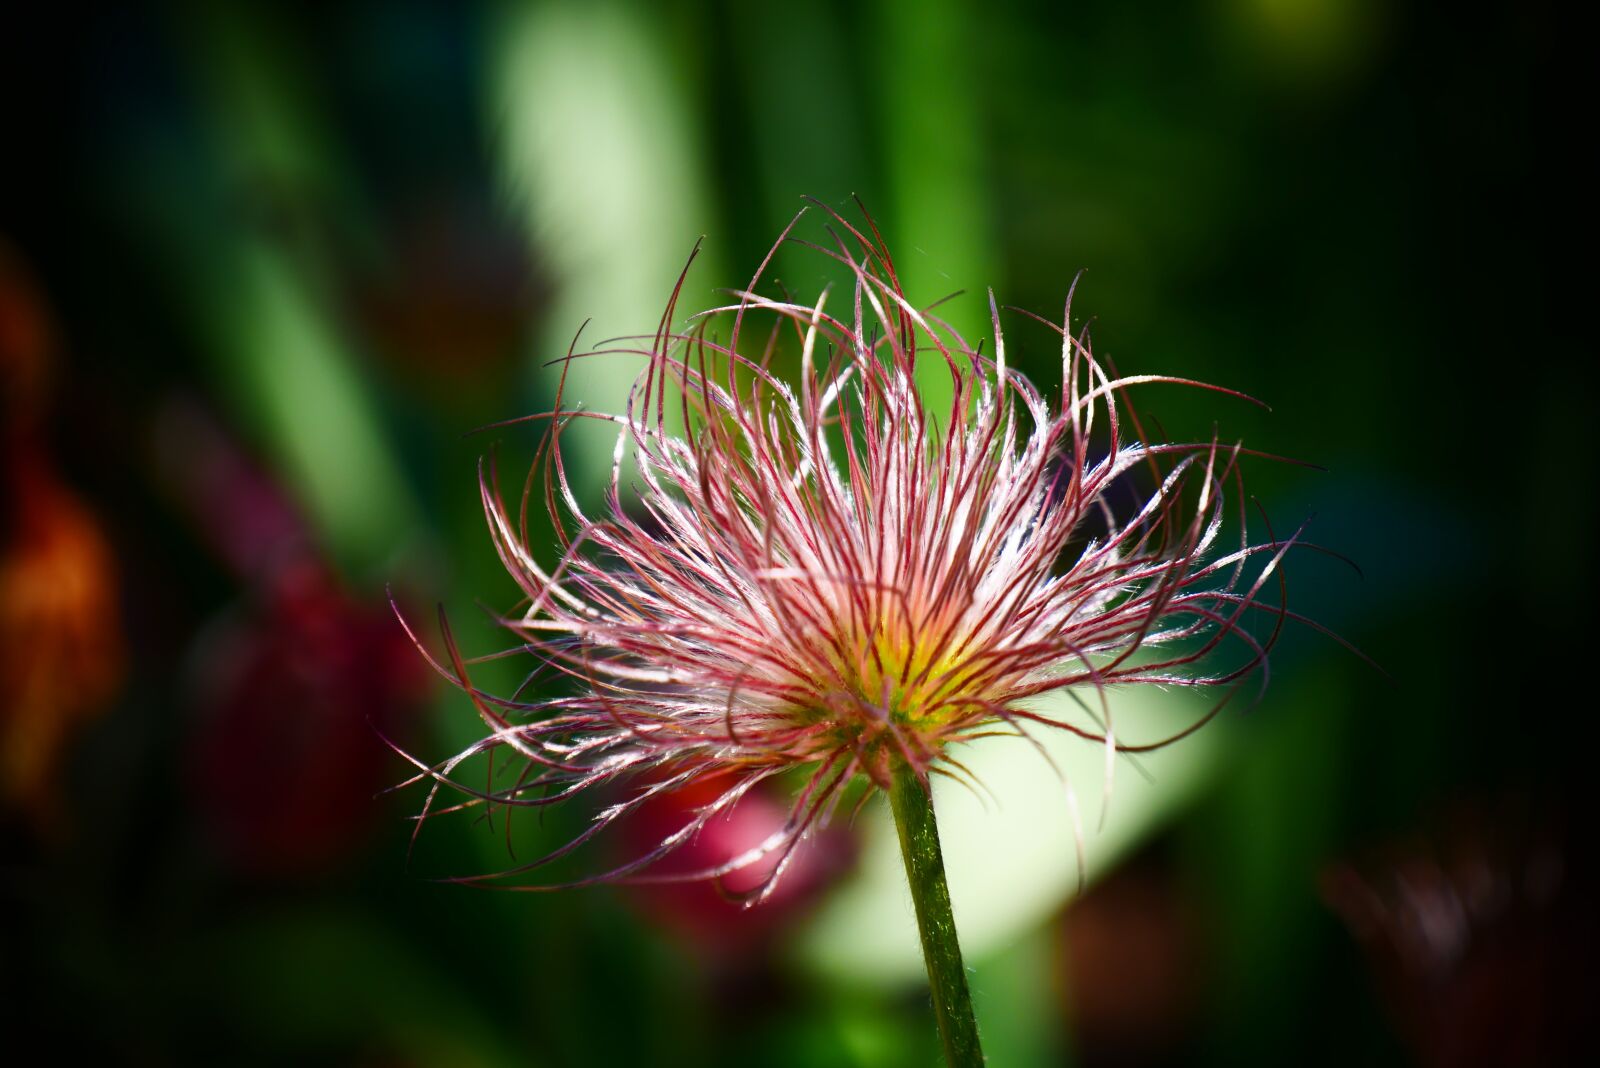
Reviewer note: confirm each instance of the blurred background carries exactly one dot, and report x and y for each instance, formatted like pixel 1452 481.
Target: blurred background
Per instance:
pixel 264 267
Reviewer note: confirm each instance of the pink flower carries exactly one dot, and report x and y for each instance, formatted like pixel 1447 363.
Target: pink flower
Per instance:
pixel 828 576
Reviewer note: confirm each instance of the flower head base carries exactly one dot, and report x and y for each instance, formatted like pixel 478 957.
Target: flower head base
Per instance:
pixel 830 576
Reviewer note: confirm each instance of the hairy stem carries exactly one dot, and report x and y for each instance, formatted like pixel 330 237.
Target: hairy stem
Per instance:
pixel 919 847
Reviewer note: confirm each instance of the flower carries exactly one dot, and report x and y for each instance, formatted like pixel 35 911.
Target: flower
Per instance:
pixel 1477 928
pixel 830 576
pixel 280 761
pixel 283 682
pixel 62 650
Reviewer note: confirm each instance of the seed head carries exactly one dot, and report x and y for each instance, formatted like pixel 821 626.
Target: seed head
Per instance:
pixel 829 576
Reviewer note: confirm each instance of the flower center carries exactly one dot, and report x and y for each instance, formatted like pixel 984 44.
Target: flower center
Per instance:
pixel 893 672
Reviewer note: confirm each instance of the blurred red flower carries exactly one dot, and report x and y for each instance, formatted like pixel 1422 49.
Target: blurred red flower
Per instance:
pixel 707 915
pixel 292 691
pixel 1480 933
pixel 296 686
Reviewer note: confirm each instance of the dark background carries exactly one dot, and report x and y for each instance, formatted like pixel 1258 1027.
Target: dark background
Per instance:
pixel 262 268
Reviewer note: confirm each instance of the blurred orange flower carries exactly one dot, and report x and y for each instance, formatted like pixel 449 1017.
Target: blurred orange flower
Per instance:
pixel 61 652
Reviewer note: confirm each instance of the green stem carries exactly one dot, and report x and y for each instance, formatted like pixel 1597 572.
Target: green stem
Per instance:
pixel 919 847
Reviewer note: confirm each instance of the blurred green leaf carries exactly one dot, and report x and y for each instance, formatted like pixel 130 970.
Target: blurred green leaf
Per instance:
pixel 600 150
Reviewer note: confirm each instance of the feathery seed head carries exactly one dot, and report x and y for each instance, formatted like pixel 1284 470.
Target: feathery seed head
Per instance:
pixel 828 575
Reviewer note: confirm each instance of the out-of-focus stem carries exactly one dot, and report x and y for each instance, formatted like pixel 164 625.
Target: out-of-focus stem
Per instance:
pixel 919 847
